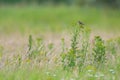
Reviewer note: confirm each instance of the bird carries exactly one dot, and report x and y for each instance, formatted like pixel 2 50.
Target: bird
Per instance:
pixel 80 23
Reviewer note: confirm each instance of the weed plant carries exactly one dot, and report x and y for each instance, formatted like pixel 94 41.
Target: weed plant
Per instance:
pixel 99 52
pixel 111 46
pixel 69 58
pixel 76 55
pixel 36 49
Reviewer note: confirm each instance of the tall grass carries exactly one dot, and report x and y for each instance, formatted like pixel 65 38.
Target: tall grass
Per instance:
pixel 38 64
pixel 83 60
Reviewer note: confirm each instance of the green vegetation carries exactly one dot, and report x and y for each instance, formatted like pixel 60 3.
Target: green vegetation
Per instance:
pixel 76 60
pixel 78 57
pixel 99 52
pixel 39 19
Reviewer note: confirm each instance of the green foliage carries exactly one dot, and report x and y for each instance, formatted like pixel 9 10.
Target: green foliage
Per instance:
pixel 63 45
pixel 36 48
pixel 84 50
pixel 99 51
pixel 30 43
pixel 69 58
pixel 76 55
pixel 111 46
pixel 50 46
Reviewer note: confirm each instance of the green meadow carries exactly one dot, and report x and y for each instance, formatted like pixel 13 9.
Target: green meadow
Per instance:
pixel 47 43
pixel 56 18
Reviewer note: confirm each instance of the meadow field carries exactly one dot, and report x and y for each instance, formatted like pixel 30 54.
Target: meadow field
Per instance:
pixel 47 43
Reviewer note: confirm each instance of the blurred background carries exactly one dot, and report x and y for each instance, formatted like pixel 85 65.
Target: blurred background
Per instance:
pixel 113 3
pixel 52 20
pixel 27 16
